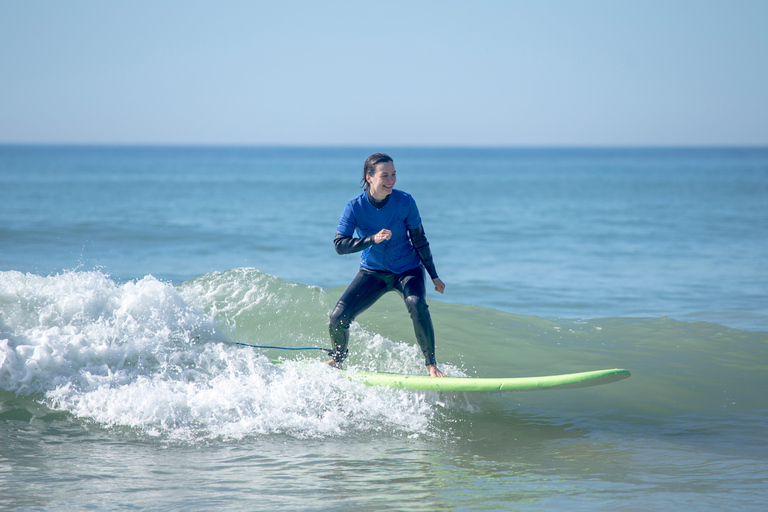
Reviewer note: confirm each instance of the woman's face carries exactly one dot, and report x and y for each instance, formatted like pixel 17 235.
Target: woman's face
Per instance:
pixel 382 181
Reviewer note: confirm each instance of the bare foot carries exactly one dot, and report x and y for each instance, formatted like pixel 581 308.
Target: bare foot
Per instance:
pixel 434 372
pixel 333 364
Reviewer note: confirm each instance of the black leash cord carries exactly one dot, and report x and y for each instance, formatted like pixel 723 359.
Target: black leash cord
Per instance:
pixel 330 352
pixel 282 348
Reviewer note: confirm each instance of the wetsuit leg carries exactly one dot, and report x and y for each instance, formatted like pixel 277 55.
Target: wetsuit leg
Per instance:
pixel 411 285
pixel 362 293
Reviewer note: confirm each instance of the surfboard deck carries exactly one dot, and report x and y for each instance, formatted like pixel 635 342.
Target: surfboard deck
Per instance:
pixel 422 382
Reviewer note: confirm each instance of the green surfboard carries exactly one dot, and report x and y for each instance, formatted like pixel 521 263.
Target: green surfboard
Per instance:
pixel 422 382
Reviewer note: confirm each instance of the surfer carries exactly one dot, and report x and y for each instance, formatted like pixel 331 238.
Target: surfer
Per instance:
pixel 395 253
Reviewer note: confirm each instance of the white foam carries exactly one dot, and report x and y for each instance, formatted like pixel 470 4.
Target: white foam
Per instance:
pixel 133 355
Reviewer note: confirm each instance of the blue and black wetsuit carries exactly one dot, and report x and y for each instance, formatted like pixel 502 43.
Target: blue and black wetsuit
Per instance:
pixel 396 264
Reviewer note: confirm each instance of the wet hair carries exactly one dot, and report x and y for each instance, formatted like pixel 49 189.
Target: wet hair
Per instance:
pixel 369 168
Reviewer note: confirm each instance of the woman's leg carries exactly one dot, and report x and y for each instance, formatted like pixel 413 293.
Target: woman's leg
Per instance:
pixel 411 285
pixel 366 288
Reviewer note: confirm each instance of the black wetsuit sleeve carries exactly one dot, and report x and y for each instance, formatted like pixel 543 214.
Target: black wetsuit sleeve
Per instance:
pixel 347 244
pixel 420 243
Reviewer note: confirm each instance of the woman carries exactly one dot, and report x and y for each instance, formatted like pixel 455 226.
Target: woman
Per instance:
pixel 395 253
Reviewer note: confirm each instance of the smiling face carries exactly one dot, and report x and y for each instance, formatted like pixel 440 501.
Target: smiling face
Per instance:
pixel 383 180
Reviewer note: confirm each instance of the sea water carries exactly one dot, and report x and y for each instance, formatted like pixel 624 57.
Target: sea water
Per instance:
pixel 128 276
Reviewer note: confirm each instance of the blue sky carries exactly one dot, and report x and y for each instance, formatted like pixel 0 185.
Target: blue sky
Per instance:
pixel 498 73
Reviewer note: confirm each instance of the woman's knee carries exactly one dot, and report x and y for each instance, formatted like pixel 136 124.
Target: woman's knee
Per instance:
pixel 417 306
pixel 339 318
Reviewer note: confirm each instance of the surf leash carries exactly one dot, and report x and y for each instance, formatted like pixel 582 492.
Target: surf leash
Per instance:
pixel 329 352
pixel 279 348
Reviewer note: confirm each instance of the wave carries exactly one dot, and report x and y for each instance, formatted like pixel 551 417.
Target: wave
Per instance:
pixel 160 359
pixel 148 356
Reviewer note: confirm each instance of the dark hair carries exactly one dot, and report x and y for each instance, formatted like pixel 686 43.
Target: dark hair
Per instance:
pixel 369 168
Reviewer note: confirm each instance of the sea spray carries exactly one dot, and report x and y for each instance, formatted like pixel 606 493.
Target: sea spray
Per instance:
pixel 137 355
pixel 79 328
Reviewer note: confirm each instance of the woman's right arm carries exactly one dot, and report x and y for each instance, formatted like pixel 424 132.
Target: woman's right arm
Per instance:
pixel 347 244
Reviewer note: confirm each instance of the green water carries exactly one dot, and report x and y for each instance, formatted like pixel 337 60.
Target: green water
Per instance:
pixel 201 424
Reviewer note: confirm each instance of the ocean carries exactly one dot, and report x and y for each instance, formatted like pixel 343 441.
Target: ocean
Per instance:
pixel 131 277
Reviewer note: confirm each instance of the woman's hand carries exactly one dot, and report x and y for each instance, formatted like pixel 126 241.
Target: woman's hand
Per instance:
pixel 439 285
pixel 382 236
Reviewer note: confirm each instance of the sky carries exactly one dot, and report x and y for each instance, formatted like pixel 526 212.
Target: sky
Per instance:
pixel 413 73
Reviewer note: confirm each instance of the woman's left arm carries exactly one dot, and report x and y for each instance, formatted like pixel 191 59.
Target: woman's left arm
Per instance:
pixel 420 243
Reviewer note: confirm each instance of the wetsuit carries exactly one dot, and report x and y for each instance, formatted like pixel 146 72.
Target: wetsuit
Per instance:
pixel 396 264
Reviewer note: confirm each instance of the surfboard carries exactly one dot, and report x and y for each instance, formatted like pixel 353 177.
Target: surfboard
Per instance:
pixel 423 382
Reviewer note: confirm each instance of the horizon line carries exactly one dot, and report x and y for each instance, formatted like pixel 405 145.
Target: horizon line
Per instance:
pixel 206 145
